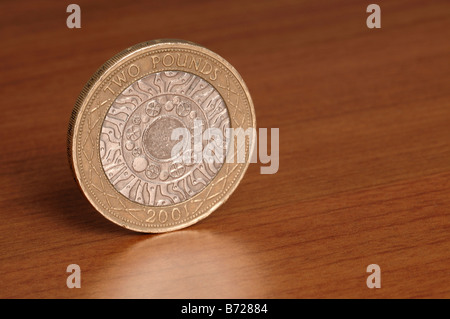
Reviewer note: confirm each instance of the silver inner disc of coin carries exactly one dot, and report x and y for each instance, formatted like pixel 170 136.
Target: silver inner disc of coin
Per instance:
pixel 136 145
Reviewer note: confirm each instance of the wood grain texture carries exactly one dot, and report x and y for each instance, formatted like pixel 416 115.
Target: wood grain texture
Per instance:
pixel 364 118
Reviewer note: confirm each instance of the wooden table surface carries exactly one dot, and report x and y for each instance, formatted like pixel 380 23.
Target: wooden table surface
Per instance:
pixel 364 177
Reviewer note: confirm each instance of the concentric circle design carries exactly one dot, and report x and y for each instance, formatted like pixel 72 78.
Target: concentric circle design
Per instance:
pixel 139 136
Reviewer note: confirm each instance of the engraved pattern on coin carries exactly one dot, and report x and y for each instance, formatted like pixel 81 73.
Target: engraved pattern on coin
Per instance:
pixel 86 150
pixel 136 142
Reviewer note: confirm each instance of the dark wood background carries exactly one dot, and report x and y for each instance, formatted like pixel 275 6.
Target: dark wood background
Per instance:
pixel 364 178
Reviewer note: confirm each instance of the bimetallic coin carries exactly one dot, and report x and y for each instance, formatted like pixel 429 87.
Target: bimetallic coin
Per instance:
pixel 147 137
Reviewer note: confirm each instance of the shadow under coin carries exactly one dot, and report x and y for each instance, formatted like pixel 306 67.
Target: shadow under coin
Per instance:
pixel 61 202
pixel 182 264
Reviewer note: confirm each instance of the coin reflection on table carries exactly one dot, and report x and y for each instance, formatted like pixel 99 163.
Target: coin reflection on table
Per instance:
pixel 182 264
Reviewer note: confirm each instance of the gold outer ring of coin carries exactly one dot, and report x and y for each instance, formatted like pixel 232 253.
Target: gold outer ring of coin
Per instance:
pixel 95 100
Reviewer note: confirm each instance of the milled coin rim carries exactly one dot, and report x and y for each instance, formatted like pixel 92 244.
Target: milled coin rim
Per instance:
pixel 87 97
